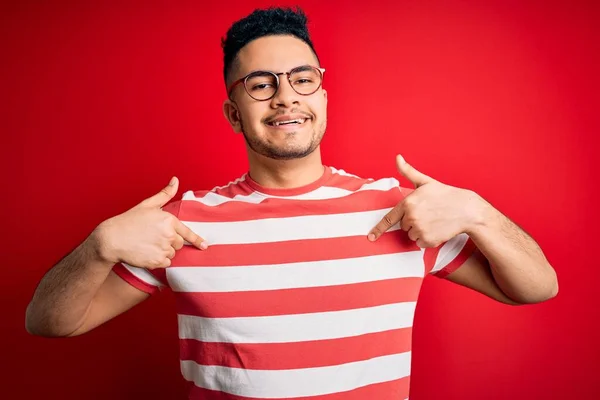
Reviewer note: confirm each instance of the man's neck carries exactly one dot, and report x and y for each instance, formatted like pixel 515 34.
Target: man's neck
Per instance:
pixel 286 174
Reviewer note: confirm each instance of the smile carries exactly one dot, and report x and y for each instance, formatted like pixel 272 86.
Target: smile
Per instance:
pixel 297 121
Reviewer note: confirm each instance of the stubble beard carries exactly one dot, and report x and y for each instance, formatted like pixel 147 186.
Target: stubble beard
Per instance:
pixel 279 153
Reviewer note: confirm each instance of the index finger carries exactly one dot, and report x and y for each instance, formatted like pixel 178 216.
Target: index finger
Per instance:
pixel 189 236
pixel 390 219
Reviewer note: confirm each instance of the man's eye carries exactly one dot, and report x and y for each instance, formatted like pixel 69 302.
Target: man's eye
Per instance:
pixel 261 86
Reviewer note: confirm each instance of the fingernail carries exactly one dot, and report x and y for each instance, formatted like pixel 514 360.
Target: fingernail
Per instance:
pixel 172 181
pixel 371 237
pixel 203 246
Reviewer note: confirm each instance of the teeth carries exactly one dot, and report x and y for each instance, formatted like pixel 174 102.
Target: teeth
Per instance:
pixel 292 121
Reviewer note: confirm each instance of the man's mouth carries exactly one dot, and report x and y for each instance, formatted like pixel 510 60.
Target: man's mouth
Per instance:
pixel 297 121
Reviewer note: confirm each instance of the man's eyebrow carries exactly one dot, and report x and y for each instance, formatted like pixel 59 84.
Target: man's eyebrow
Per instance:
pixel 303 67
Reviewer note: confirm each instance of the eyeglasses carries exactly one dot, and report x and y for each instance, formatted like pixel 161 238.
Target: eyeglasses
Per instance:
pixel 262 85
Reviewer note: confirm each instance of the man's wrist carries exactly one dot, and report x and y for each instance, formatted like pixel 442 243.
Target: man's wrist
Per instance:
pixel 481 215
pixel 98 245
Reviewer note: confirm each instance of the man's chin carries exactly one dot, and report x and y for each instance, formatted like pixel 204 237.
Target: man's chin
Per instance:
pixel 286 149
pixel 286 154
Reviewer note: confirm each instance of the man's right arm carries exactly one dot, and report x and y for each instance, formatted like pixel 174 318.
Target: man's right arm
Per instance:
pixel 82 291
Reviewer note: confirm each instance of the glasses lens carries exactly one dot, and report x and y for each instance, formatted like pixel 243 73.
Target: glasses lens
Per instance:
pixel 261 85
pixel 306 80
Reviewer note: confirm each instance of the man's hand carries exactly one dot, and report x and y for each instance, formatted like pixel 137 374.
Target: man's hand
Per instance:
pixel 433 213
pixel 145 236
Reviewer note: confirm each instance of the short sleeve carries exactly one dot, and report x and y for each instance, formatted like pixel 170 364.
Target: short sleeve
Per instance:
pixel 149 281
pixel 446 258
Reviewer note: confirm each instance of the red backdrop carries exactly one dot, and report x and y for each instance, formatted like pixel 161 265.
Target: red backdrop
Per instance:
pixel 102 103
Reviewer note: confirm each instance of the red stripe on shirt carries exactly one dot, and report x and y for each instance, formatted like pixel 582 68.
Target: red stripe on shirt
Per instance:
pixel 232 211
pixel 294 251
pixel 294 355
pixel 298 300
pixel 459 260
pixel 247 185
pixel 393 390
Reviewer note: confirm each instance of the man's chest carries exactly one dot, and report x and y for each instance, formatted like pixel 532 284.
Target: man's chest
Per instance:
pixel 329 280
pixel 284 264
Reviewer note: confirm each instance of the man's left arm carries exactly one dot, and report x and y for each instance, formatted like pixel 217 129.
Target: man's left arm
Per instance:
pixel 507 265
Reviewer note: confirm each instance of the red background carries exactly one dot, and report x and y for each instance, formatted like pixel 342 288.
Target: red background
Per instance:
pixel 102 103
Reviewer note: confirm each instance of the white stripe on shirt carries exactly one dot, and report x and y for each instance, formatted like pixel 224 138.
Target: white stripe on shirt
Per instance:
pixel 269 230
pixel 297 327
pixel 297 275
pixel 294 383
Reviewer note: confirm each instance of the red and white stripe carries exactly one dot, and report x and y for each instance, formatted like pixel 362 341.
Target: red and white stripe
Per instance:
pixel 300 382
pixel 291 300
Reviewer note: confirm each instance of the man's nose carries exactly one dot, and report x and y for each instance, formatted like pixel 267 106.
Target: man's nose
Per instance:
pixel 285 96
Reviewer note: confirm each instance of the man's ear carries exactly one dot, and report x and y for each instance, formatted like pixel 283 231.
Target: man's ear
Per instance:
pixel 232 114
pixel 325 94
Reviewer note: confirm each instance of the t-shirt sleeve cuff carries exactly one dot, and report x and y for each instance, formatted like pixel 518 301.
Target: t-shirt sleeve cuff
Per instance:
pixel 133 280
pixel 466 252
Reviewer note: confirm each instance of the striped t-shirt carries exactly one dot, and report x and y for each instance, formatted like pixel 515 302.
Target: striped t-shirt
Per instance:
pixel 291 300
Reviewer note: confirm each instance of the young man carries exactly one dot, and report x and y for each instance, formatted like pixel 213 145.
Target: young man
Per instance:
pixel 297 279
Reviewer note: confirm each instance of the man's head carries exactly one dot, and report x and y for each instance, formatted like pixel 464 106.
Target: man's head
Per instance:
pixel 282 116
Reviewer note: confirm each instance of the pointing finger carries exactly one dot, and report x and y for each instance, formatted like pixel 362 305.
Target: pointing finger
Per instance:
pixel 390 219
pixel 189 235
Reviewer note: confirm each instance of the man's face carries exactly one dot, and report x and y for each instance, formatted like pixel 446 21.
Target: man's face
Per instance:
pixel 256 118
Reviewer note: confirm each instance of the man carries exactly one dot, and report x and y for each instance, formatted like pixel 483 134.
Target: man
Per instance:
pixel 297 279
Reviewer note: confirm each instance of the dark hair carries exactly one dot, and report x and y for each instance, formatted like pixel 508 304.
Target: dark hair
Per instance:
pixel 271 21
